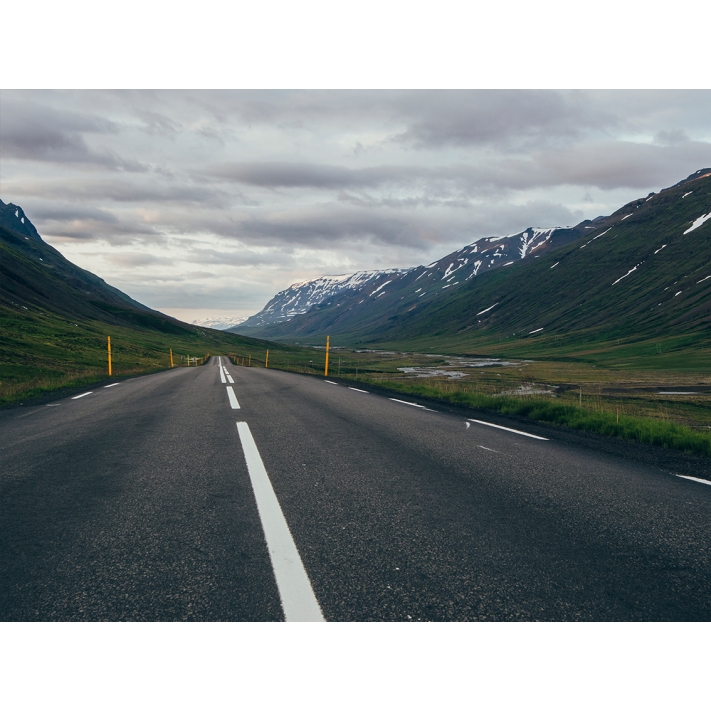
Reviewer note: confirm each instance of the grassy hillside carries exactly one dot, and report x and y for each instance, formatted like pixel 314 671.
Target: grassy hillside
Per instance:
pixel 55 319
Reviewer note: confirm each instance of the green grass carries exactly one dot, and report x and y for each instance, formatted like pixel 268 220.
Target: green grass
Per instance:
pixel 542 409
pixel 42 352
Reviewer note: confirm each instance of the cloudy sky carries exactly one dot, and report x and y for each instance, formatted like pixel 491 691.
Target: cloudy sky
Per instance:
pixel 206 203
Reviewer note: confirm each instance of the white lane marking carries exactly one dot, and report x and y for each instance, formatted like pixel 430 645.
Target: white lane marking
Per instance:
pixel 468 424
pixel 222 376
pixel 54 405
pixel 427 409
pixel 693 478
pixel 233 400
pixel 508 429
pixel 487 448
pixel 414 404
pixel 330 381
pixel 670 392
pixel 76 397
pixel 297 596
pixel 111 386
pixel 358 390
pixel 219 362
pixel 229 379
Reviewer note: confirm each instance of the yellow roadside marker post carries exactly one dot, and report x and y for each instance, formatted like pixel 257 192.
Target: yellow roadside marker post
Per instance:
pixel 110 373
pixel 266 361
pixel 171 357
pixel 328 345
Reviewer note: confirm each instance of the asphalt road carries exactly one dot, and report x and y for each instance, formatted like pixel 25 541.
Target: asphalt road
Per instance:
pixel 148 501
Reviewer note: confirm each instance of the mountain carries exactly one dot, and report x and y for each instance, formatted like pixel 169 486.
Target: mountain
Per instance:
pixel 35 276
pixel 373 293
pixel 219 324
pixel 643 271
pixel 300 297
pixel 55 319
pixel 13 217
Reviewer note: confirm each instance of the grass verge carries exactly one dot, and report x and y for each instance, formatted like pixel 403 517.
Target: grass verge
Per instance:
pixel 543 409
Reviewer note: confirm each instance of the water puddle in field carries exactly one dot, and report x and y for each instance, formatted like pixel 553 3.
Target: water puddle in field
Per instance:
pixel 452 367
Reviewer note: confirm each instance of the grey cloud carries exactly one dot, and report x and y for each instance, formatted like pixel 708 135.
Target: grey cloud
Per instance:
pixel 342 227
pixel 671 137
pixel 138 259
pixel 123 191
pixel 306 175
pixel 620 164
pixel 183 294
pixel 32 131
pixel 463 118
pixel 159 124
pixel 603 164
pixel 242 258
pixel 327 226
pixel 86 223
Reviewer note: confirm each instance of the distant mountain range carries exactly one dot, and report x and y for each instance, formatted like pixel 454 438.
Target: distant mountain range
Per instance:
pixel 458 267
pixel 603 273
pixel 219 324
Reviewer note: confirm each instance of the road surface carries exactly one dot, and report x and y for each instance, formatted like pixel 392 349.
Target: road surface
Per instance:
pixel 271 495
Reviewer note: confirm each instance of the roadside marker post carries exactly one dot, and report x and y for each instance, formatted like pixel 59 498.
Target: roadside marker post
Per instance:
pixel 171 357
pixel 266 361
pixel 109 346
pixel 328 345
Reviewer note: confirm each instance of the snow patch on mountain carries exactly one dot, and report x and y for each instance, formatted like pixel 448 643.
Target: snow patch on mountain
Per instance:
pixel 698 222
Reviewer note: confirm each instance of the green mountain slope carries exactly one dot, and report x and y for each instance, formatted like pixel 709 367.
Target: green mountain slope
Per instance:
pixel 55 319
pixel 642 273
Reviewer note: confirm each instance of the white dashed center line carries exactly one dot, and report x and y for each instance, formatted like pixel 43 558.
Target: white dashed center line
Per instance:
pixel 229 378
pixel 358 390
pixel 222 376
pixel 297 596
pixel 330 381
pixel 508 429
pixel 76 397
pixel 110 386
pixel 414 404
pixel 233 400
pixel 693 478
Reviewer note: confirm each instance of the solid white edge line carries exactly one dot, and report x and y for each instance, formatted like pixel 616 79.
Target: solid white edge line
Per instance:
pixel 330 381
pixel 414 404
pixel 222 376
pixel 111 386
pixel 358 390
pixel 297 596
pixel 233 400
pixel 76 397
pixel 508 429
pixel 693 478
pixel 229 379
